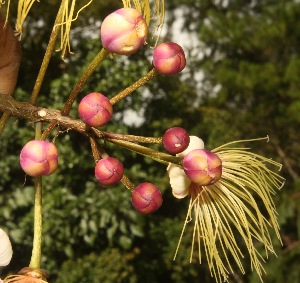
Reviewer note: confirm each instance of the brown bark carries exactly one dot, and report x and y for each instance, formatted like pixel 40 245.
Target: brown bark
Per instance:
pixel 35 114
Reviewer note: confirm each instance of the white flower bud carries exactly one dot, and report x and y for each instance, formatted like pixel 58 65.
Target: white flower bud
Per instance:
pixel 178 181
pixel 195 143
pixel 6 251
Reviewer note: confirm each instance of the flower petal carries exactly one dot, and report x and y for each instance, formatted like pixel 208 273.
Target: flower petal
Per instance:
pixel 178 181
pixel 195 143
pixel 5 249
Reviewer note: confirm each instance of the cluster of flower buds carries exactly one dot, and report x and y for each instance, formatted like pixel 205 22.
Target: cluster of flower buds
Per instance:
pixel 122 32
pixel 200 166
pixel 196 171
pixel 125 32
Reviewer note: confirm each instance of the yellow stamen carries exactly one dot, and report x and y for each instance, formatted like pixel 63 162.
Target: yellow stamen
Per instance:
pixel 67 19
pixel 24 7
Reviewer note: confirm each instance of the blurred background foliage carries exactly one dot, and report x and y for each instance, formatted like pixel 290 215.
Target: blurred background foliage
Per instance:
pixel 242 81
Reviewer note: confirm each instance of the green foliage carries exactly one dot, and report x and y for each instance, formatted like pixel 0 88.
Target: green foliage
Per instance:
pixel 109 266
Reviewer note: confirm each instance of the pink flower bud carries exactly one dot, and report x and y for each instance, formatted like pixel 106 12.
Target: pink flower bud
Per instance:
pixel 176 140
pixel 202 167
pixel 109 171
pixel 95 109
pixel 169 58
pixel 146 198
pixel 124 31
pixel 39 158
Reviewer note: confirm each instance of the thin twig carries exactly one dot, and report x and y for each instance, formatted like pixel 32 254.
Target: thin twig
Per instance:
pixel 47 56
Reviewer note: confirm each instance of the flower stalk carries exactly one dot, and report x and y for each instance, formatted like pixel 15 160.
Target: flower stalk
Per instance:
pixel 83 79
pixel 77 88
pixel 37 239
pixel 152 74
pixel 35 261
pixel 47 57
pixel 132 138
pixel 148 152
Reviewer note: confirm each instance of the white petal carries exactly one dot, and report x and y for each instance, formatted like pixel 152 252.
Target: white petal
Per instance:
pixel 178 181
pixel 195 143
pixel 180 196
pixel 5 249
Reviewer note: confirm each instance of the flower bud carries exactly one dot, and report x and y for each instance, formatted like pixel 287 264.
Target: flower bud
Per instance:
pixel 202 167
pixel 124 31
pixel 179 181
pixel 176 140
pixel 195 143
pixel 39 158
pixel 95 109
pixel 109 171
pixel 146 198
pixel 169 58
pixel 6 251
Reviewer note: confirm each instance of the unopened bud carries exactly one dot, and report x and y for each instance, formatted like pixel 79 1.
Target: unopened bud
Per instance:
pixel 169 58
pixel 178 181
pixel 6 251
pixel 146 198
pixel 202 167
pixel 195 143
pixel 176 140
pixel 124 31
pixel 109 171
pixel 39 158
pixel 95 109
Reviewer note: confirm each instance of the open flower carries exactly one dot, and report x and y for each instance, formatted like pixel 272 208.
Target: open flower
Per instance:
pixel 228 207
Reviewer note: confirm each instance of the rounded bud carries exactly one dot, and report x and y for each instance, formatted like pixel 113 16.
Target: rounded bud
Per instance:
pixel 146 198
pixel 202 167
pixel 124 31
pixel 179 181
pixel 95 109
pixel 169 58
pixel 109 171
pixel 6 251
pixel 176 140
pixel 39 158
